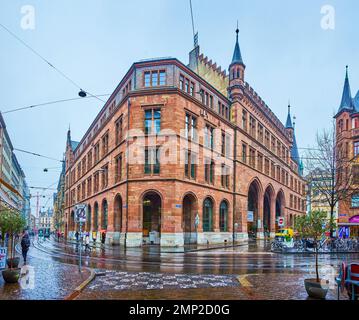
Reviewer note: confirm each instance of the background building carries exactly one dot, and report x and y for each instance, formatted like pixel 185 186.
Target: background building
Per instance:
pixel 46 219
pixel 236 167
pixel 59 202
pixel 347 140
pixel 14 191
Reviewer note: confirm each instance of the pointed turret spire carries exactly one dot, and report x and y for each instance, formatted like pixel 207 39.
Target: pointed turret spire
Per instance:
pixel 289 124
pixel 294 151
pixel 347 101
pixel 237 56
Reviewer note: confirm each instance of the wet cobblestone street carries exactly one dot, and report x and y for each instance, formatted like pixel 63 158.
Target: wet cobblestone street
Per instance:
pixel 45 280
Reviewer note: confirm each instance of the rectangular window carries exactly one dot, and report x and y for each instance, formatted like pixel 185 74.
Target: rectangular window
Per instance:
pixel 266 166
pixel 260 133
pixel 119 130
pixel 252 127
pixel 105 145
pixel 244 120
pixel 191 127
pixel 260 162
pixel 89 186
pixel 96 182
pixel 155 78
pixel 181 83
pixel 244 153
pixel 97 152
pixel 152 121
pixel 225 176
pixel 209 171
pixel 192 89
pixel 209 137
pixel 152 160
pixel 118 168
pixel 104 177
pixel 190 164
pixel 89 160
pixel 252 157
pixel 266 138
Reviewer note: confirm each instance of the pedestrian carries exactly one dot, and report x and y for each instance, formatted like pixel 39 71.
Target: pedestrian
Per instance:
pixel 103 237
pixel 77 236
pixel 25 245
pixel 87 242
pixel 94 236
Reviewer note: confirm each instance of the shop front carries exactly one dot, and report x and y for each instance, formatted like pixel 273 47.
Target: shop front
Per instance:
pixel 350 228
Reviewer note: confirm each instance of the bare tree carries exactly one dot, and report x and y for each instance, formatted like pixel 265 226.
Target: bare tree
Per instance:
pixel 331 170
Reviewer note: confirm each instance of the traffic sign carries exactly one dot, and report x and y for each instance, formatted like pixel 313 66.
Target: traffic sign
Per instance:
pixel 281 222
pixel 80 211
pixel 3 254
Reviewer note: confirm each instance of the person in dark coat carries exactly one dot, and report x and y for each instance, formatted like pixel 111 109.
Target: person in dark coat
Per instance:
pixel 25 245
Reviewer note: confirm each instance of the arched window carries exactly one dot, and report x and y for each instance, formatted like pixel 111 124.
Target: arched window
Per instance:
pixel 223 217
pixel 95 217
pixel 104 216
pixel 207 215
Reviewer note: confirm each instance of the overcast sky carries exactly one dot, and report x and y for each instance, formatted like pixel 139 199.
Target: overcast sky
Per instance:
pixel 287 53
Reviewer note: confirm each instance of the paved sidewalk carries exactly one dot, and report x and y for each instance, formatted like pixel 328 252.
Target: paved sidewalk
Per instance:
pixel 45 280
pixel 142 285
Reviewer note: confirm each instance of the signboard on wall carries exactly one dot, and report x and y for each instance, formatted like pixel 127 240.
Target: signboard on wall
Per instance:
pixel 250 216
pixel 280 222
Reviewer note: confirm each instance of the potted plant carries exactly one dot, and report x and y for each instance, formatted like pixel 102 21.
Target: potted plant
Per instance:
pixel 314 226
pixel 11 223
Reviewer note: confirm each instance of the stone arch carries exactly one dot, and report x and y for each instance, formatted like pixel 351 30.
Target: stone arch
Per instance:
pixel 152 204
pixel 208 214
pixel 95 216
pixel 254 205
pixel 104 214
pixel 279 207
pixel 268 208
pixel 189 213
pixel 223 215
pixel 117 216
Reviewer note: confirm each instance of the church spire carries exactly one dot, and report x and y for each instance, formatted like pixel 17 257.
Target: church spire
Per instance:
pixel 347 101
pixel 237 56
pixel 289 124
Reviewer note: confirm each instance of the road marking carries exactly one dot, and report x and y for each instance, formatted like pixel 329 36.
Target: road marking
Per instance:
pixel 243 281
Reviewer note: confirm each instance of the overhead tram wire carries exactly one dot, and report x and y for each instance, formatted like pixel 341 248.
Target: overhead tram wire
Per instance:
pixel 48 62
pixel 50 103
pixel 38 155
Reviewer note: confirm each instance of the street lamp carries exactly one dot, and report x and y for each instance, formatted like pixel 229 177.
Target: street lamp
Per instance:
pixel 82 93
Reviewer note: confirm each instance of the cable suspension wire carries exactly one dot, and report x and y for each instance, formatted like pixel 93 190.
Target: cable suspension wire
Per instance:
pixel 37 155
pixel 47 62
pixel 50 103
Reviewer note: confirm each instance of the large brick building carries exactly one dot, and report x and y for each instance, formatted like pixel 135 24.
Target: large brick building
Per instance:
pixel 347 142
pixel 182 154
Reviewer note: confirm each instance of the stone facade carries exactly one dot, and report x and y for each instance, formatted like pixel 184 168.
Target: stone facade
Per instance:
pixel 212 160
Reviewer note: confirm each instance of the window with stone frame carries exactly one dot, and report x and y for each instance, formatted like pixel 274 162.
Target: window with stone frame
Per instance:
pixel 97 153
pixel 252 157
pixel 84 166
pixel 119 130
pixel 209 171
pixel 78 193
pixel 154 78
pixel 244 120
pixel 83 189
pixel 152 121
pixel 190 164
pixel 260 162
pixel 273 140
pixel 225 176
pixel 252 127
pixel 266 166
pixel 152 160
pixel 244 153
pixel 260 132
pixel 89 160
pixel 89 186
pixel 105 144
pixel 96 182
pixel 209 137
pixel 104 176
pixel 191 127
pixel 272 170
pixel 118 168
pixel 267 139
